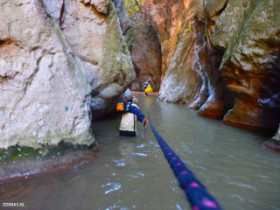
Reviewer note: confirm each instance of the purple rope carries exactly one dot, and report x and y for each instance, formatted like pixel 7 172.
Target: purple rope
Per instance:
pixel 196 193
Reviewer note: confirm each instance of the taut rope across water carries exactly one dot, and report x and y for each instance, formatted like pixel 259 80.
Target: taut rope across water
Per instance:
pixel 196 193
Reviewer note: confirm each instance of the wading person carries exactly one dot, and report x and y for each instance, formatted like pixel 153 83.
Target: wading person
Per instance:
pixel 148 87
pixel 131 116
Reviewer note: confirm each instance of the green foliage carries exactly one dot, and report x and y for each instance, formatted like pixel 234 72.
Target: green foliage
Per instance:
pixel 133 6
pixel 136 8
pixel 177 40
pixel 16 152
pixel 187 31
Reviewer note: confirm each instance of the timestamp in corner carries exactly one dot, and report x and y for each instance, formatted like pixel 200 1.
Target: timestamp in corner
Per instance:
pixel 13 205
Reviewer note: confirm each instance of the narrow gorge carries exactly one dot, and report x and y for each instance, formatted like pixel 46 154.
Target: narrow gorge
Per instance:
pixel 64 64
pixel 218 57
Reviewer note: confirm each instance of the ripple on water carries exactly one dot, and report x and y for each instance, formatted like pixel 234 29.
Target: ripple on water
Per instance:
pixel 140 154
pixel 133 173
pixel 141 146
pixel 243 185
pixel 137 175
pixel 239 197
pixel 119 163
pixel 112 187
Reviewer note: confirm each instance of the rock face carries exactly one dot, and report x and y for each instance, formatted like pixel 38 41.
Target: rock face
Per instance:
pixel 146 57
pixel 61 63
pixel 237 57
pixel 153 34
pixel 181 82
pixel 221 57
pixel 251 62
pixel 214 98
pixel 239 51
pixel 144 46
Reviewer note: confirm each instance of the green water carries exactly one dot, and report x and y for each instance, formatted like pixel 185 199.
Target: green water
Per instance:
pixel 132 173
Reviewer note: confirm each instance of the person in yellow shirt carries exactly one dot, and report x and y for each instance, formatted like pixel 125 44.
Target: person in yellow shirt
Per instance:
pixel 148 87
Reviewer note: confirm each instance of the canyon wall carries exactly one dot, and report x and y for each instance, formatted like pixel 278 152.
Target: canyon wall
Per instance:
pixel 220 57
pixel 143 44
pixel 180 79
pixel 66 62
pixel 62 63
pixel 239 54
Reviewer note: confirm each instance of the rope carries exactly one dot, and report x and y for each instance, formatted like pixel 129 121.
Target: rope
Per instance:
pixel 196 193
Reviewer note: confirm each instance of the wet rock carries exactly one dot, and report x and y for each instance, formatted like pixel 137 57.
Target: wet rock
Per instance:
pixel 214 98
pixel 251 62
pixel 22 162
pixel 235 71
pixel 62 63
pixel 272 144
pixel 236 50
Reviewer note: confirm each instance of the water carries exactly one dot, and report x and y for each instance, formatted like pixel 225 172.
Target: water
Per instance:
pixel 132 173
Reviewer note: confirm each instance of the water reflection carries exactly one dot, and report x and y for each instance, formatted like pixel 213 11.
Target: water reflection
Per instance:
pixel 113 187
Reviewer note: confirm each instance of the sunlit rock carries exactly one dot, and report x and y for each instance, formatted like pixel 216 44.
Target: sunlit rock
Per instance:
pixel 180 82
pixel 61 63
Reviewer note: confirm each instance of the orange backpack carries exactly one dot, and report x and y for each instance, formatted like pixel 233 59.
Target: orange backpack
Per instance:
pixel 120 107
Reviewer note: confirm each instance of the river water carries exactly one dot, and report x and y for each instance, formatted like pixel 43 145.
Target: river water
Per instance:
pixel 132 173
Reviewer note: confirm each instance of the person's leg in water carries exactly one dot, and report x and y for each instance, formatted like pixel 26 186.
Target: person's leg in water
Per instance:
pixel 127 133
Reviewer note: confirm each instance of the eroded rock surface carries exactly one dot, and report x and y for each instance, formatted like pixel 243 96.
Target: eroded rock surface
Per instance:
pixel 220 57
pixel 238 55
pixel 144 46
pixel 62 62
pixel 251 63
pixel 181 82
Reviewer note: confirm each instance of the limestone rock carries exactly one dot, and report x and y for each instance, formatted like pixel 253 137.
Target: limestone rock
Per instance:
pixel 144 47
pixel 228 69
pixel 146 57
pixel 44 90
pixel 61 62
pixel 251 64
pixel 238 50
pixel 166 19
pixel 181 82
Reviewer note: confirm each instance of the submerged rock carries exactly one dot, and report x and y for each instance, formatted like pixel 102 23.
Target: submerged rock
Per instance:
pixel 18 163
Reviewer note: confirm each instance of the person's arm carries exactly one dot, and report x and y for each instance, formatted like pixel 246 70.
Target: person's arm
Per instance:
pixel 137 112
